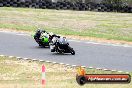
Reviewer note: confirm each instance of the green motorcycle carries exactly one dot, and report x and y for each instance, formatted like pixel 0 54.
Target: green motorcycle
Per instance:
pixel 42 38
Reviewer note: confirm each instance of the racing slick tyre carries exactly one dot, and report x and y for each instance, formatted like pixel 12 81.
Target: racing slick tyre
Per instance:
pixel 71 50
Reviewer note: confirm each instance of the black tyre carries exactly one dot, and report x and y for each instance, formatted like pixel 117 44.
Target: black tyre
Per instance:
pixel 57 8
pixel 11 3
pixel 40 5
pixel 14 5
pixel 8 5
pixel 81 80
pixel 1 4
pixel 4 3
pixel 33 5
pixel 68 6
pixel 43 7
pixel 71 8
pixel 71 50
pixel 64 8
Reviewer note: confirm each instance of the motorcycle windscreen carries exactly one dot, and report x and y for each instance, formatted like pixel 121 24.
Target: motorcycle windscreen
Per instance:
pixel 63 41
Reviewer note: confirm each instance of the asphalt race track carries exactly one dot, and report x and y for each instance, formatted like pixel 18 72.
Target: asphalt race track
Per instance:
pixel 87 54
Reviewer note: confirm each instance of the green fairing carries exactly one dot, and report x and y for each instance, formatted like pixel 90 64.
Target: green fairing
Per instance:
pixel 45 40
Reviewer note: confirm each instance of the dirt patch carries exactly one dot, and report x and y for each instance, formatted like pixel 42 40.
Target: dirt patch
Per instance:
pixel 101 40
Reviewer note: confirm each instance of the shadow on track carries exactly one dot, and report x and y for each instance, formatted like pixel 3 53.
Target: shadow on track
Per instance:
pixel 62 54
pixel 41 47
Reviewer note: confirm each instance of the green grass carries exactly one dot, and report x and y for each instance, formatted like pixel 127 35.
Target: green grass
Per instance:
pixel 16 73
pixel 117 26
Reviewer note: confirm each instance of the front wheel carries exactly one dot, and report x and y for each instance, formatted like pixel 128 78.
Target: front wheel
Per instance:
pixel 71 50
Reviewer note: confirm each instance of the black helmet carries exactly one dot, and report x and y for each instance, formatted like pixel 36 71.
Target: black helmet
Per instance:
pixel 43 31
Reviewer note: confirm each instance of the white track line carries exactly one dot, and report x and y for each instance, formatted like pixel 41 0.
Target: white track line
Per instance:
pixel 65 64
pixel 100 43
pixel 16 33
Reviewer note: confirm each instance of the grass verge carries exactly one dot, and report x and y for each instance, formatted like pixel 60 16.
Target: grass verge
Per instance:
pixel 117 26
pixel 16 73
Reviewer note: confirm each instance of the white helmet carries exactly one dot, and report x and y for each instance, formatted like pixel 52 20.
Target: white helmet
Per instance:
pixel 51 33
